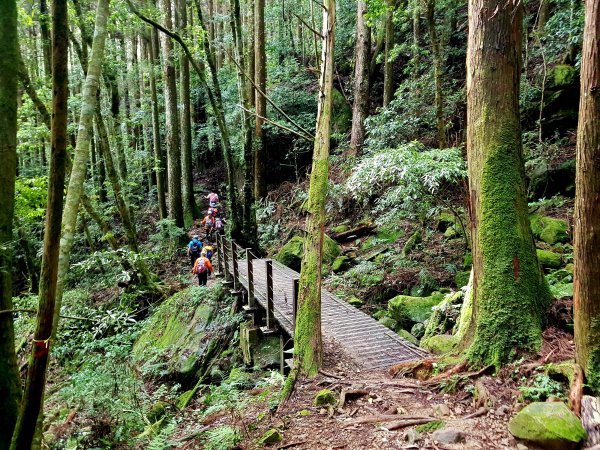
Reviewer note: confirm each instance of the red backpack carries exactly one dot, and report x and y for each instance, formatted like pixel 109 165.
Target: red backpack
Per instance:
pixel 200 266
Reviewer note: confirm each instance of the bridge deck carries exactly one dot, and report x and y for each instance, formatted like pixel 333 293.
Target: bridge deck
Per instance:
pixel 369 343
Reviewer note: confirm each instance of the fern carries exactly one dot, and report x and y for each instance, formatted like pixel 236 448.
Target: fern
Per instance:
pixel 160 441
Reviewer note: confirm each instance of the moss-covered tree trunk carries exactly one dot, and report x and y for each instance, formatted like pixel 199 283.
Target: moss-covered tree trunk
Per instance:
pixel 190 210
pixel 172 122
pixel 38 362
pixel 586 279
pixel 156 140
pixel 260 77
pixel 388 65
pixel 360 107
pixel 509 291
pixel 10 384
pixel 307 334
pixel 436 53
pixel 82 151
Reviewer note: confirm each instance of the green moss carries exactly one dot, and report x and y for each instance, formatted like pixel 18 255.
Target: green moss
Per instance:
pixel 388 322
pixel 468 261
pixel 549 230
pixel 304 413
pixel 340 229
pixel 462 278
pixel 389 234
pixel 379 314
pixel 561 290
pixel 451 232
pixel 291 253
pixel 407 310
pixel 549 259
pixel 157 411
pixel 430 426
pixel 509 283
pixel 272 436
pixel 340 263
pixel 564 75
pixel 355 301
pixel 411 243
pixel 409 337
pixel 325 397
pixel 440 344
pixel 341 119
pixel 592 371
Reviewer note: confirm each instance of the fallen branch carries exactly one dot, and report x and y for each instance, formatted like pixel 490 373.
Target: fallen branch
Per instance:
pixel 576 392
pixel 328 374
pixel 359 231
pixel 278 125
pixel 480 412
pixel 409 423
pixel 448 373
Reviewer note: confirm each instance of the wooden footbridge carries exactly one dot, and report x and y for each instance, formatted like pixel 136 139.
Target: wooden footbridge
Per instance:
pixel 270 285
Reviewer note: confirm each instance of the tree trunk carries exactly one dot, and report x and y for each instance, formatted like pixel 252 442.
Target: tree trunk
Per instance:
pixel 360 107
pixel 436 52
pixel 507 282
pixel 82 151
pixel 172 121
pixel 190 211
pixel 260 78
pixel 586 279
pixel 10 384
pixel 46 42
pixel 158 160
pixel 36 374
pixel 307 335
pixel 388 66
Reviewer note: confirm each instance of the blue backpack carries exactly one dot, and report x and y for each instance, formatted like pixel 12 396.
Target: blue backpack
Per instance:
pixel 195 246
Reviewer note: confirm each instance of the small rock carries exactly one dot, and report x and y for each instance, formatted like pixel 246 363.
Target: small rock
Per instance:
pixel 325 397
pixel 504 410
pixel 448 436
pixel 441 410
pixel 412 436
pixel 458 410
pixel 522 447
pixel 272 436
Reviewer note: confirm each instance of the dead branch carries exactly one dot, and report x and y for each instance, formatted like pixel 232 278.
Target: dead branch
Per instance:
pixel 409 423
pixel 275 124
pixel 387 418
pixel 351 393
pixel 480 412
pixel 328 374
pixel 448 373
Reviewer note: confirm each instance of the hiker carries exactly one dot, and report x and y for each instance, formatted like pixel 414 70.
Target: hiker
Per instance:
pixel 212 211
pixel 220 225
pixel 207 251
pixel 213 199
pixel 209 223
pixel 194 249
pixel 203 268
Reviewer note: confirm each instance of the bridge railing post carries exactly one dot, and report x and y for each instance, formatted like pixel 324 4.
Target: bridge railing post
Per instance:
pixel 249 258
pixel 270 318
pixel 234 262
pixel 225 260
pixel 294 301
pixel 219 255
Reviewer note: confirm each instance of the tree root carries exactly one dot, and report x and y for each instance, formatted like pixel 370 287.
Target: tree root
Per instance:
pixel 412 367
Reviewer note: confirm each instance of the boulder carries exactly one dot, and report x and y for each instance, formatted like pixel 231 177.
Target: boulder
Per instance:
pixel 411 243
pixel 291 253
pixel 550 425
pixel 340 263
pixel 549 259
pixel 440 344
pixel 325 397
pixel 407 310
pixel 409 337
pixel 388 322
pixel 272 436
pixel 266 354
pixel 549 229
pixel 448 436
pixel 418 330
pixel 545 181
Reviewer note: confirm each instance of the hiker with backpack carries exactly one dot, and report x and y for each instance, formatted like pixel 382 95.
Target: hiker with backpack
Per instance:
pixel 219 225
pixel 213 199
pixel 209 223
pixel 214 212
pixel 202 268
pixel 194 249
pixel 207 251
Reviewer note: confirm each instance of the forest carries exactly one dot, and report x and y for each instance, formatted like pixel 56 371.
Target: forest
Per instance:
pixel 299 224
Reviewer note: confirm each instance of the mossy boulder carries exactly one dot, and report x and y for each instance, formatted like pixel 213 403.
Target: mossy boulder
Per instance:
pixel 550 425
pixel 340 263
pixel 407 310
pixel 387 321
pixel 445 220
pixel 184 333
pixel 355 301
pixel 411 243
pixel 549 229
pixel 291 253
pixel 266 354
pixel 440 344
pixel 325 397
pixel 272 436
pixel 418 330
pixel 549 259
pixel 409 337
pixel 462 278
